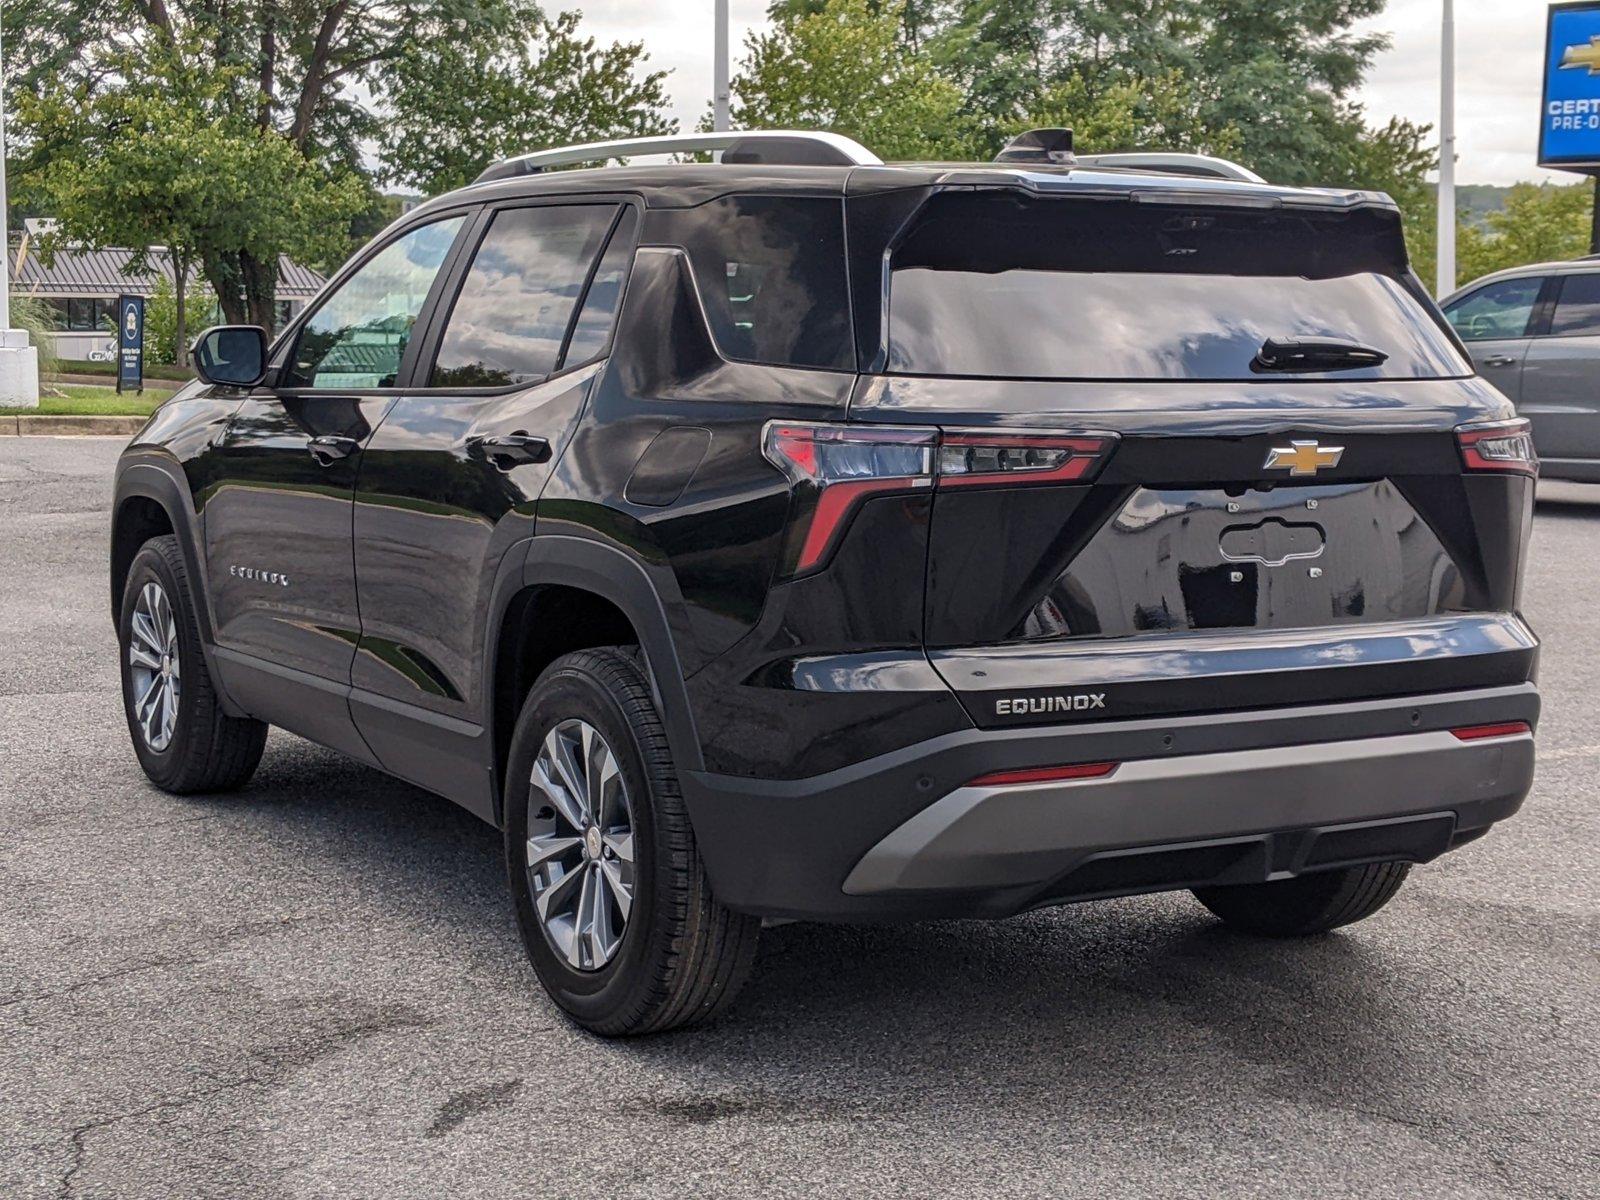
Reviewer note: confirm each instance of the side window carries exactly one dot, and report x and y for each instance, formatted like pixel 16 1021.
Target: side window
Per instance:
pixel 1578 308
pixel 1500 310
pixel 593 326
pixel 510 319
pixel 358 337
pixel 771 272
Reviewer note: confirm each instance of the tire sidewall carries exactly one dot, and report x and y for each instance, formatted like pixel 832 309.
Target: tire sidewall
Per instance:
pixel 163 766
pixel 565 692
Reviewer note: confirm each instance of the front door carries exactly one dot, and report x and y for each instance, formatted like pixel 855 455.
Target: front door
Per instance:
pixel 1495 321
pixel 449 480
pixel 279 512
pixel 1561 376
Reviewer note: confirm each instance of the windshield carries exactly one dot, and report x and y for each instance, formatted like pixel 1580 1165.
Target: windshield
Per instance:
pixel 996 285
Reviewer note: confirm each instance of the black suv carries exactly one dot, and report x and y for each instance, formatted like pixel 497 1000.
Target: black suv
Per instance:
pixel 797 536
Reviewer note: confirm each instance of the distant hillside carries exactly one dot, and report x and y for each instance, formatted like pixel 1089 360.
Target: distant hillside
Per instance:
pixel 1475 201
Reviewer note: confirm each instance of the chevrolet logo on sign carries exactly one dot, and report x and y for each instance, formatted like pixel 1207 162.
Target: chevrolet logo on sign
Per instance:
pixel 1580 56
pixel 1303 458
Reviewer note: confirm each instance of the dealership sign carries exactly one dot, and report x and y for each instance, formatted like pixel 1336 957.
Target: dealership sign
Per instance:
pixel 130 343
pixel 1569 128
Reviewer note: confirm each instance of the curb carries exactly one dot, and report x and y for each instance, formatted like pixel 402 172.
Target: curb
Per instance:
pixel 35 426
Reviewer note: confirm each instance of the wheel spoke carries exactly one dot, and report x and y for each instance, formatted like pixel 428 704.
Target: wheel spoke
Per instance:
pixel 604 936
pixel 558 891
pixel 572 774
pixel 545 846
pixel 144 628
pixel 621 892
pixel 555 788
pixel 620 843
pixel 141 655
pixel 584 943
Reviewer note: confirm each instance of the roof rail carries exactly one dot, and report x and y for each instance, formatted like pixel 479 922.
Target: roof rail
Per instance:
pixel 1203 165
pixel 792 147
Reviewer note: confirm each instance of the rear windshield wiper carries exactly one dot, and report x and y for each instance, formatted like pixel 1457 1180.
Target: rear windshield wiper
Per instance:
pixel 1314 354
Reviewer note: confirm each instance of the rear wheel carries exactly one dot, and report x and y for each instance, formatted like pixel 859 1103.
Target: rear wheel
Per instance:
pixel 610 895
pixel 183 739
pixel 1307 904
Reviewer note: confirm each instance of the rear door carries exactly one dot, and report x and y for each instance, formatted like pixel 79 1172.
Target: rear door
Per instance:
pixel 1561 374
pixel 449 480
pixel 278 516
pixel 1496 322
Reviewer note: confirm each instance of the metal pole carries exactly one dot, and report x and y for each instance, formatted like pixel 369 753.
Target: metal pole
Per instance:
pixel 1594 220
pixel 5 211
pixel 1447 154
pixel 719 85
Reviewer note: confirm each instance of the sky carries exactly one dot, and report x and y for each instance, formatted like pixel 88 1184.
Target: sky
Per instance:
pixel 1499 47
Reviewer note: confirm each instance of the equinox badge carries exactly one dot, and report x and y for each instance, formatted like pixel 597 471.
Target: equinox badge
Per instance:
pixel 1303 458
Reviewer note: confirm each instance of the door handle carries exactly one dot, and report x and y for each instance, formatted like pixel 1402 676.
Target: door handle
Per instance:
pixel 509 450
pixel 330 449
pixel 1499 360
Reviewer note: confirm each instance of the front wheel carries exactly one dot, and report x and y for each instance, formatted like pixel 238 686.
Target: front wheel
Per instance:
pixel 1307 904
pixel 185 742
pixel 610 895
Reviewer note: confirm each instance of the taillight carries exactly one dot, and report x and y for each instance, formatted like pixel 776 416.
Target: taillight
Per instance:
pixel 1502 446
pixel 834 467
pixel 989 459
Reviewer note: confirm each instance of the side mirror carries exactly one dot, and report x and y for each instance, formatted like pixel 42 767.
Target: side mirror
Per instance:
pixel 232 355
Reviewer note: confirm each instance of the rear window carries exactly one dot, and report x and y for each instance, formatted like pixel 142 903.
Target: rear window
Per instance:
pixel 1009 287
pixel 771 273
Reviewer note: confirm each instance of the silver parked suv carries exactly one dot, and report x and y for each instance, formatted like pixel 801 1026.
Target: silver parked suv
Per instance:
pixel 1534 332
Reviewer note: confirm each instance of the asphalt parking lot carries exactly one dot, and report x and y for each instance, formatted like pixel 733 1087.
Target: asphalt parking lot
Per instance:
pixel 314 989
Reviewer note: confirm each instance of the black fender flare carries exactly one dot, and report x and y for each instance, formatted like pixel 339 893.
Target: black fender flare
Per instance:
pixel 156 477
pixel 607 571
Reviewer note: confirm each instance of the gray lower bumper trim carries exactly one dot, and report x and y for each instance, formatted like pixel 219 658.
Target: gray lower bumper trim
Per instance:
pixel 1021 834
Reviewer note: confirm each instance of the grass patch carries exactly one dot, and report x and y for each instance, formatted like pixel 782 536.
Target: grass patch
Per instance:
pixel 85 400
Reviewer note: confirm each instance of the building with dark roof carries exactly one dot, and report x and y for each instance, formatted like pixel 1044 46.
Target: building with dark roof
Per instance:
pixel 81 286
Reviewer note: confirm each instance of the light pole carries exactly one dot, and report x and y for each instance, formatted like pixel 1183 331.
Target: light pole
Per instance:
pixel 1447 154
pixel 719 69
pixel 19 362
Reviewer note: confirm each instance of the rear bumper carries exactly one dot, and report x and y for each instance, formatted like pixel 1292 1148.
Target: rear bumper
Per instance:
pixel 1197 800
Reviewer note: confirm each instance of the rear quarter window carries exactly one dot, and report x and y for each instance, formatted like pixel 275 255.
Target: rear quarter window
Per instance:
pixel 771 273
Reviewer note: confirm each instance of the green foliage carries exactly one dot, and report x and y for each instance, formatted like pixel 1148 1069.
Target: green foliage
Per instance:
pixel 1267 82
pixel 1539 223
pixel 845 67
pixel 162 339
pixel 36 316
pixel 466 102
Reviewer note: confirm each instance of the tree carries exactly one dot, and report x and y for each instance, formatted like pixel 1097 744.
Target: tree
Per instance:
pixel 161 165
pixel 846 67
pixel 460 107
pixel 318 80
pixel 1539 223
pixel 1130 113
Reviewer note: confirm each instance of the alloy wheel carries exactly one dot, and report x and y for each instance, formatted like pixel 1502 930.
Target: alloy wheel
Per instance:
pixel 154 667
pixel 580 845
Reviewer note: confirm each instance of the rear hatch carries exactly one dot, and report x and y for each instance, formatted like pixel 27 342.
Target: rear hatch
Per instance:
pixel 1285 484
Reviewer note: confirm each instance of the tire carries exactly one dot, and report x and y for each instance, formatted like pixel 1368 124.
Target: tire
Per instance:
pixel 1308 904
pixel 680 957
pixel 203 749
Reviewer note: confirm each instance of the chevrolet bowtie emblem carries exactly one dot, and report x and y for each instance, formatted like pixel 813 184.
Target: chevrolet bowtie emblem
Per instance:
pixel 1303 458
pixel 1580 55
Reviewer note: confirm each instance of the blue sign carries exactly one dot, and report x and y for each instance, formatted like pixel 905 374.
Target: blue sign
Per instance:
pixel 130 343
pixel 1569 125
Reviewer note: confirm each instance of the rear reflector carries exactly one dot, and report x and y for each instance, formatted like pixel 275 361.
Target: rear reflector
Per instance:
pixel 1045 774
pixel 1474 733
pixel 1503 446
